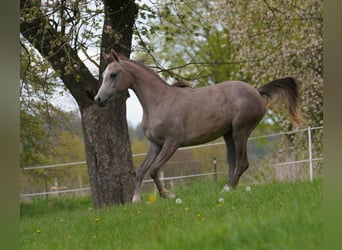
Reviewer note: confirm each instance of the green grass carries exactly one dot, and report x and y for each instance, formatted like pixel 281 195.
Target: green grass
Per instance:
pixel 271 216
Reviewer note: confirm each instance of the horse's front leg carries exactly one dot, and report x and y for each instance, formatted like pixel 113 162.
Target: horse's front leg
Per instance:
pixel 151 155
pixel 169 148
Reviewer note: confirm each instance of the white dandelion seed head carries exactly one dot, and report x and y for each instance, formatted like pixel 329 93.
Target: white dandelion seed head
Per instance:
pixel 226 188
pixel 248 188
pixel 221 200
pixel 178 201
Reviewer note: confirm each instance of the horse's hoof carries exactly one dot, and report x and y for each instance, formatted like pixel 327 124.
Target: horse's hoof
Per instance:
pixel 136 199
pixel 167 194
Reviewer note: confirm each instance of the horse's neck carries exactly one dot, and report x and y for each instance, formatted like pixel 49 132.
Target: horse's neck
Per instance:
pixel 148 87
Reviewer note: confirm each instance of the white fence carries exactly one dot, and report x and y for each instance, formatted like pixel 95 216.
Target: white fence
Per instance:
pixel 310 160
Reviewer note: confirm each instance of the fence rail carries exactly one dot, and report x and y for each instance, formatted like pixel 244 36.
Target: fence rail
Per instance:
pixel 310 159
pixel 145 181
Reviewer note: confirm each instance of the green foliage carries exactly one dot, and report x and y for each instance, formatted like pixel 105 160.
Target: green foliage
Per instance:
pixel 68 147
pixel 51 141
pixel 47 137
pixel 272 216
pixel 34 146
pixel 44 128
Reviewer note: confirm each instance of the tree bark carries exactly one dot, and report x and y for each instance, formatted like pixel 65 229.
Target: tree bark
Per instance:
pixel 106 138
pixel 108 153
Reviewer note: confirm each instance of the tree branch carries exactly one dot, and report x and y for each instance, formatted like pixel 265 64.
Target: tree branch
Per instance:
pixel 118 27
pixel 51 44
pixel 89 57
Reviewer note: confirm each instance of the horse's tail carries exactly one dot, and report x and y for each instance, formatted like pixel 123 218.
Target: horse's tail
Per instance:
pixel 284 91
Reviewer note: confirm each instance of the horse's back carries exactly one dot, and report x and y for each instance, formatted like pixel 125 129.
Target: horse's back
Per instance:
pixel 237 88
pixel 231 96
pixel 244 101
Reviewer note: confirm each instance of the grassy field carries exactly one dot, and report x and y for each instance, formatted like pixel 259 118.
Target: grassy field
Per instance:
pixel 270 216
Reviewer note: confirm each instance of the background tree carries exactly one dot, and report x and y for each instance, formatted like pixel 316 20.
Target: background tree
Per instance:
pixel 60 31
pixel 47 142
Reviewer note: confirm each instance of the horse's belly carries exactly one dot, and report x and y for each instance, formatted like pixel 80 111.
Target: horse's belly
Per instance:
pixel 200 140
pixel 206 131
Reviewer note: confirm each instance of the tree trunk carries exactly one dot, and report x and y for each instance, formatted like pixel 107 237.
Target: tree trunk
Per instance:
pixel 106 137
pixel 108 153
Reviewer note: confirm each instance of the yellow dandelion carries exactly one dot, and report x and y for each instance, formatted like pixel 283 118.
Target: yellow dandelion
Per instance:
pixel 200 216
pixel 69 237
pixel 96 219
pixel 38 231
pixel 186 209
pixel 152 198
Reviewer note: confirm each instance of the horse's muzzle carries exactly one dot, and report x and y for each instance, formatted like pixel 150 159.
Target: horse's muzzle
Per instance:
pixel 99 101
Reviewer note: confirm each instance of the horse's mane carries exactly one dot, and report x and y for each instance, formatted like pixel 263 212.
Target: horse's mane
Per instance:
pixel 181 84
pixel 142 65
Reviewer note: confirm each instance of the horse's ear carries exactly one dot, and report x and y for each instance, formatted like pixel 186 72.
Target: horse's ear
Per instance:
pixel 114 55
pixel 111 57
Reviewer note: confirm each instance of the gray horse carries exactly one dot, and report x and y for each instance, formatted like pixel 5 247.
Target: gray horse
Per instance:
pixel 177 116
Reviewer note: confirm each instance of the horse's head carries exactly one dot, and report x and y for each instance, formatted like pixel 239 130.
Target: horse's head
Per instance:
pixel 114 79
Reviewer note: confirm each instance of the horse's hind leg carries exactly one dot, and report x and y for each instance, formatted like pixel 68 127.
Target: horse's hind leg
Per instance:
pixel 230 147
pixel 231 155
pixel 240 138
pixel 151 155
pixel 168 149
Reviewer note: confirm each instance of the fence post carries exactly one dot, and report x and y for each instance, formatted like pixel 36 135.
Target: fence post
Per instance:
pixel 215 167
pixel 310 154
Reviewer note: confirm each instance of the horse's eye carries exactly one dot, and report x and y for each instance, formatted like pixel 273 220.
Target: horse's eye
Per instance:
pixel 113 75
